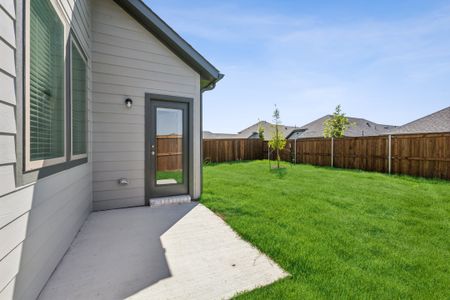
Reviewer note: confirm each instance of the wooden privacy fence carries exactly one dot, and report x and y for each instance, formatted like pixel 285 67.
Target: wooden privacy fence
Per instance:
pixel 233 149
pixel 168 154
pixel 365 153
pixel 425 155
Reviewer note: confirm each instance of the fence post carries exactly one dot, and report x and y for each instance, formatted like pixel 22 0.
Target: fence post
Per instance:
pixel 332 152
pixel 389 153
pixel 295 151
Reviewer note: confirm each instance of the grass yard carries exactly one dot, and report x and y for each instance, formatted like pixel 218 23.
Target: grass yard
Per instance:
pixel 339 233
pixel 176 175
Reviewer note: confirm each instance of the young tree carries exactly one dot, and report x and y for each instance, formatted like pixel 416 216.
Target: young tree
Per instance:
pixel 337 125
pixel 278 142
pixel 260 131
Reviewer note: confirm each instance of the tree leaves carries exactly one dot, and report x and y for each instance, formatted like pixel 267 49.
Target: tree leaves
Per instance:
pixel 337 125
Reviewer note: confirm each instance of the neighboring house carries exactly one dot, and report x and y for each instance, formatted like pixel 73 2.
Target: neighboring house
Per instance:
pixel 359 127
pixel 251 132
pixel 435 122
pixel 208 135
pixel 90 94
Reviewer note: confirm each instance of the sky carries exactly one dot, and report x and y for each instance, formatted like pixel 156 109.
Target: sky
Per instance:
pixel 386 61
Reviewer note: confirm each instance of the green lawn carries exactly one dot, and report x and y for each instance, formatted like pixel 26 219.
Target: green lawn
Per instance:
pixel 339 233
pixel 176 175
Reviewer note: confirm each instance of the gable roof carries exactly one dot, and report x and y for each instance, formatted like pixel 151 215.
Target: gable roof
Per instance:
pixel 154 24
pixel 208 135
pixel 314 129
pixel 436 122
pixel 252 131
pixel 360 127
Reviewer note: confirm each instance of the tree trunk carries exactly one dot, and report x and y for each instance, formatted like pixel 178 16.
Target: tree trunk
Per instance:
pixel 278 158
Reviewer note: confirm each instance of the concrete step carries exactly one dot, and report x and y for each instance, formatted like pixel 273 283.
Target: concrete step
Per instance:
pixel 154 202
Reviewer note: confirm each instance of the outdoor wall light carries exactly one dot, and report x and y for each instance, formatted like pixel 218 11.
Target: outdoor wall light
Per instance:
pixel 123 181
pixel 128 102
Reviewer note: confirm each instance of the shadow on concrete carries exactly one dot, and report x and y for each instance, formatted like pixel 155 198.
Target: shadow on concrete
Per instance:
pixel 116 254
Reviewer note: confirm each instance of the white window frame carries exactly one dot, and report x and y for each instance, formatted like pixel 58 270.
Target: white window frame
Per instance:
pixel 37 164
pixel 74 41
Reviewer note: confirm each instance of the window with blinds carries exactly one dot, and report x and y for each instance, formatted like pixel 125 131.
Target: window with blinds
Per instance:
pixel 78 102
pixel 46 79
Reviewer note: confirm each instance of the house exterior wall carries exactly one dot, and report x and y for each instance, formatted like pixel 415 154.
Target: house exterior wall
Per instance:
pixel 128 61
pixel 38 221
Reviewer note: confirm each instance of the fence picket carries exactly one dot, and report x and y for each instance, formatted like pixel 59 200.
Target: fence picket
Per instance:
pixel 425 155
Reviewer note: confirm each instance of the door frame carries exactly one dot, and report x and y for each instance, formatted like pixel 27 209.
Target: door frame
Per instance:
pixel 149 98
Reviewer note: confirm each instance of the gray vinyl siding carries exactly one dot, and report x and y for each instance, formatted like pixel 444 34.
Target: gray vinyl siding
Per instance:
pixel 7 94
pixel 7 149
pixel 128 61
pixel 8 120
pixel 7 179
pixel 38 221
pixel 7 99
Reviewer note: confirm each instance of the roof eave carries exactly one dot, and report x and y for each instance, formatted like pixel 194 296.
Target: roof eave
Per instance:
pixel 154 24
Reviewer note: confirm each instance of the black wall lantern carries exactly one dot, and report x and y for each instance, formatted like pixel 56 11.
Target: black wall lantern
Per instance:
pixel 128 102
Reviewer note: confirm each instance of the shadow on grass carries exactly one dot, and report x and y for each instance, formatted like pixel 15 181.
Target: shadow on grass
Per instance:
pixel 280 172
pixel 366 173
pixel 285 165
pixel 207 162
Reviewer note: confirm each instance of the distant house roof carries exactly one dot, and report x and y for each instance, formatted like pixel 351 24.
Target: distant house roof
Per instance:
pixel 436 122
pixel 252 131
pixel 153 23
pixel 208 135
pixel 359 127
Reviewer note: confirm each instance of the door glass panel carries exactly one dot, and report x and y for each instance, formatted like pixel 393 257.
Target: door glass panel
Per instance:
pixel 169 146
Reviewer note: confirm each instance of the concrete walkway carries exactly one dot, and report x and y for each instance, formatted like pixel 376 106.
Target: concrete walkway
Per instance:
pixel 172 252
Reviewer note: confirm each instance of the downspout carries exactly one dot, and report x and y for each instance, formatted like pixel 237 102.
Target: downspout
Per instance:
pixel 209 87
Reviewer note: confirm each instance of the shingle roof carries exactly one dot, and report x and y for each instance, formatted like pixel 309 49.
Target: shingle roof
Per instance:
pixel 436 122
pixel 252 131
pixel 208 135
pixel 359 127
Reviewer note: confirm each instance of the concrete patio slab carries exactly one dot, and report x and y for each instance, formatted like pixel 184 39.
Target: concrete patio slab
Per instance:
pixel 171 252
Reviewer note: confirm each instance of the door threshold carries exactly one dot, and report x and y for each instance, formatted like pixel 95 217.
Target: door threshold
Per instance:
pixel 161 201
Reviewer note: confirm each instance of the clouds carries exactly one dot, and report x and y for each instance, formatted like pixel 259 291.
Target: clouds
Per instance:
pixel 370 44
pixel 308 63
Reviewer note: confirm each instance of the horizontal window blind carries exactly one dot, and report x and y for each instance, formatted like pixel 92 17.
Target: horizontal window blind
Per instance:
pixel 78 102
pixel 46 82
